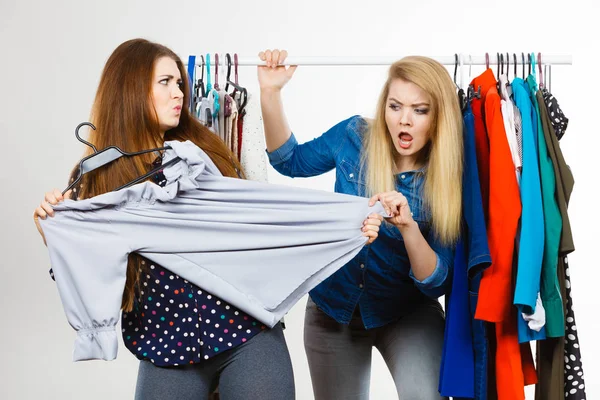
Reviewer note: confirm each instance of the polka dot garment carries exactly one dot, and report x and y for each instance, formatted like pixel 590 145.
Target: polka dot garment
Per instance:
pixel 174 322
pixel 253 157
pixel 558 118
pixel 574 383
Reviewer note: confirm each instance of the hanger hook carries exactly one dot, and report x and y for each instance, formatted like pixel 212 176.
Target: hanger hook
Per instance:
pixel 203 64
pixel 235 65
pixel 217 71
pixel 470 65
pixel 461 63
pixel 515 63
pixel 507 65
pixel 208 82
pixel 79 137
pixel 228 59
pixel 498 65
pixel 523 63
pixel 539 63
pixel 455 66
pixel 487 60
pixel 529 63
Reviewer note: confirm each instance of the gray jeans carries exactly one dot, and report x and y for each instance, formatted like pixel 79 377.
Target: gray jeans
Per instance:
pixel 339 356
pixel 258 369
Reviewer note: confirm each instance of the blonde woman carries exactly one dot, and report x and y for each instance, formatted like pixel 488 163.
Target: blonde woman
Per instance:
pixel 410 158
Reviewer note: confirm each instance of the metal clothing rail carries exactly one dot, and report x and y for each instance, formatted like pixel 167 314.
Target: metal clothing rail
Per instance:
pixel 464 59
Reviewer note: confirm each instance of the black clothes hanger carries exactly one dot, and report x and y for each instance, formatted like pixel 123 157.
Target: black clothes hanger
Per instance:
pixel 498 65
pixel 455 68
pixel 108 155
pixel 462 97
pixel 152 172
pixel 200 83
pixel 216 86
pixel 539 63
pixel 236 86
pixel 472 94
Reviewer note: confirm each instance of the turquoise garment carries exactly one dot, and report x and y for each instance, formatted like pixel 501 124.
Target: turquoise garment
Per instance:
pixel 531 243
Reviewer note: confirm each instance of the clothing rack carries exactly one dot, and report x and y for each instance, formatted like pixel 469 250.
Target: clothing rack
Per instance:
pixel 463 59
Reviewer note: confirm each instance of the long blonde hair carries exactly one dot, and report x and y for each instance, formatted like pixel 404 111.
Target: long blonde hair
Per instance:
pixel 444 153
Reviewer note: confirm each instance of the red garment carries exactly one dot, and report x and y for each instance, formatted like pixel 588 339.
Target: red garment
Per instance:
pixel 495 291
pixel 514 363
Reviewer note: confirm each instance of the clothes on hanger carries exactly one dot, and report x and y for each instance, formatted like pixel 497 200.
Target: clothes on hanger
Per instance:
pixel 531 241
pixel 558 118
pixel 464 358
pixel 549 288
pixel 241 129
pixel 253 155
pixel 508 114
pixel 559 359
pixel 525 184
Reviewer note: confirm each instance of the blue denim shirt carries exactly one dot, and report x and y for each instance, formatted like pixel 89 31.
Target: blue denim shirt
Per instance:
pixel 379 279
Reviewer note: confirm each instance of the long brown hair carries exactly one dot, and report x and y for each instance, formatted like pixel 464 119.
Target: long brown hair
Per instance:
pixel 125 117
pixel 444 156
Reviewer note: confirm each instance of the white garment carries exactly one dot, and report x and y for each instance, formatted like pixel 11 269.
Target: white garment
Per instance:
pixel 205 111
pixel 537 320
pixel 221 115
pixel 254 156
pixel 508 117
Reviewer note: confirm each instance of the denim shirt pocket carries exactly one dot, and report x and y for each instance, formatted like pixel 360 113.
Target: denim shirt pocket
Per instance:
pixel 350 177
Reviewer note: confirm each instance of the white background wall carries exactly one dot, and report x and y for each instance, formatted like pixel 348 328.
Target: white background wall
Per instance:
pixel 52 54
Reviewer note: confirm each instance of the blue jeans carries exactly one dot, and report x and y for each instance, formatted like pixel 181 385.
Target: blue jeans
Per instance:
pixel 339 356
pixel 258 369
